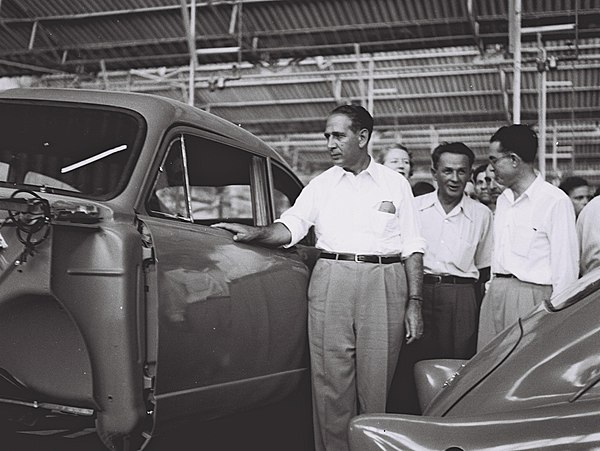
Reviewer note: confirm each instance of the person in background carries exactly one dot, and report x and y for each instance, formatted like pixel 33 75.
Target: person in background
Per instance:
pixel 399 159
pixel 494 188
pixel 458 233
pixel 535 241
pixel 469 189
pixel 481 185
pixel 578 190
pixel 365 291
pixel 588 233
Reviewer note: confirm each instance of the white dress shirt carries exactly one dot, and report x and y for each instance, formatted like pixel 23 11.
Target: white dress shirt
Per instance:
pixel 535 236
pixel 459 243
pixel 588 231
pixel 369 213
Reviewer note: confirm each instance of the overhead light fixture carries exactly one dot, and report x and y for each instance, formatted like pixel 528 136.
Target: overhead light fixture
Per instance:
pixel 217 50
pixel 548 28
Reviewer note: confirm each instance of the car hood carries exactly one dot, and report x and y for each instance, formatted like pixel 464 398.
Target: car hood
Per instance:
pixel 547 358
pixel 568 426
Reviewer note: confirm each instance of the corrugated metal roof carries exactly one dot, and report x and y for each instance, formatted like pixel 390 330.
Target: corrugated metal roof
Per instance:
pixel 434 64
pixel 73 36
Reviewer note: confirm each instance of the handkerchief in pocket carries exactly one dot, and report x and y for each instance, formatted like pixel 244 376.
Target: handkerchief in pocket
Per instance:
pixel 387 206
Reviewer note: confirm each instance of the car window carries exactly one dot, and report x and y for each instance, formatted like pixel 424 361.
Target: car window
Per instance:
pixel 285 190
pixel 169 196
pixel 75 149
pixel 207 182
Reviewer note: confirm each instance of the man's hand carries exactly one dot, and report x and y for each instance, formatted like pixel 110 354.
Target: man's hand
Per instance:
pixel 241 232
pixel 413 321
pixel 275 234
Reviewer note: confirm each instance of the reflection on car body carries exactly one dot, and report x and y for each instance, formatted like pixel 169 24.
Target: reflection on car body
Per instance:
pixel 536 386
pixel 118 301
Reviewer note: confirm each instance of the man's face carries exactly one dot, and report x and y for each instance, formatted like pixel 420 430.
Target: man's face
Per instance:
pixel 580 197
pixel 346 147
pixel 494 188
pixel 502 163
pixel 452 174
pixel 482 191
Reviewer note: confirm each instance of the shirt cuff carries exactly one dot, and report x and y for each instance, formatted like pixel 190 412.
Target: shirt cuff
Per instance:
pixel 293 231
pixel 414 246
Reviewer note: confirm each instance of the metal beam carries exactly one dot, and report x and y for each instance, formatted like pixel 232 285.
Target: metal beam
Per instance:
pixel 31 67
pixel 132 11
pixel 189 25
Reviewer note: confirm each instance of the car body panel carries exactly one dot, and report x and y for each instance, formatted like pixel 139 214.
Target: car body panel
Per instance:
pixel 128 316
pixel 432 375
pixel 227 312
pixel 534 386
pixel 568 426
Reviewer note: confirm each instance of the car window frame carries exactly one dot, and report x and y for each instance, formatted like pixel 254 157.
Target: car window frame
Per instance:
pixel 259 167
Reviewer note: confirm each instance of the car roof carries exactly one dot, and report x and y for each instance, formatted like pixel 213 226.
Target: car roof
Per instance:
pixel 158 112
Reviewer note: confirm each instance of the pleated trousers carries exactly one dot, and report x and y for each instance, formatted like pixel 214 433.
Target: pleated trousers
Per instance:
pixel 356 328
pixel 507 300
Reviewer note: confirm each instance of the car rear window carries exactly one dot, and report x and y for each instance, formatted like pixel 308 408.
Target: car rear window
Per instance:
pixel 68 148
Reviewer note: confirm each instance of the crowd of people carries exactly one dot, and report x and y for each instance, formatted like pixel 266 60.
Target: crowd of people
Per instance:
pixel 416 272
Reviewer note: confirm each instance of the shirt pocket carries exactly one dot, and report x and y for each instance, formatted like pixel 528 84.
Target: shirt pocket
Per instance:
pixel 522 239
pixel 463 253
pixel 383 222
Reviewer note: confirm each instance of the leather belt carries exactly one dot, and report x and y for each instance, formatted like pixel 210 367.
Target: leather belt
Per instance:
pixel 432 279
pixel 362 258
pixel 505 276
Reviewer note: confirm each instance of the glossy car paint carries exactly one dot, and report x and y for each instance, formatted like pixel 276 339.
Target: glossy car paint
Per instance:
pixel 533 387
pixel 432 375
pixel 137 319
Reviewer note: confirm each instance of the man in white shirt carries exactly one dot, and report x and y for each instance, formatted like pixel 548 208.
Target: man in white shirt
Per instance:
pixel 458 232
pixel 365 289
pixel 589 236
pixel 535 242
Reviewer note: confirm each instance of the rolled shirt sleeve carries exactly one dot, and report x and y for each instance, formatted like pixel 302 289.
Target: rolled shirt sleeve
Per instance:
pixel 301 216
pixel 410 226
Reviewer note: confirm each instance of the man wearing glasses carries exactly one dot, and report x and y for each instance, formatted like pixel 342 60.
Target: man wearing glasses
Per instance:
pixel 535 241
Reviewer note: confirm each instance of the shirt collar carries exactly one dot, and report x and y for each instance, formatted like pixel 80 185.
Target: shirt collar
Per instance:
pixel 370 169
pixel 530 192
pixel 431 200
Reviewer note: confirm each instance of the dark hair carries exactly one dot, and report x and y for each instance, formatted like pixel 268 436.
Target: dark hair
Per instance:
pixel 360 118
pixel 456 147
pixel 519 139
pixel 421 188
pixel 383 153
pixel 478 170
pixel 570 183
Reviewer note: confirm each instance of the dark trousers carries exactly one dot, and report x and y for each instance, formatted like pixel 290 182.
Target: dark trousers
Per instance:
pixel 450 316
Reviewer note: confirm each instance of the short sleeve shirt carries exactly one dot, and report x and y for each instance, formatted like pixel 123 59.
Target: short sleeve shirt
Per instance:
pixel 372 212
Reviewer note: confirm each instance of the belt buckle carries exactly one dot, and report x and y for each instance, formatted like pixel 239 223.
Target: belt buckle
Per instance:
pixel 356 258
pixel 438 278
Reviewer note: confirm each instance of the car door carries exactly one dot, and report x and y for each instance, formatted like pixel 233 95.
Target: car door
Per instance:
pixel 230 318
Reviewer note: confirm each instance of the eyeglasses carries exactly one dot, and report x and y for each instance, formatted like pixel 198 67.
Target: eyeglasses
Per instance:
pixel 495 160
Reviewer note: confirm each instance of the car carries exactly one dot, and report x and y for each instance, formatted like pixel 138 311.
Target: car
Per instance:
pixel 535 386
pixel 118 301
